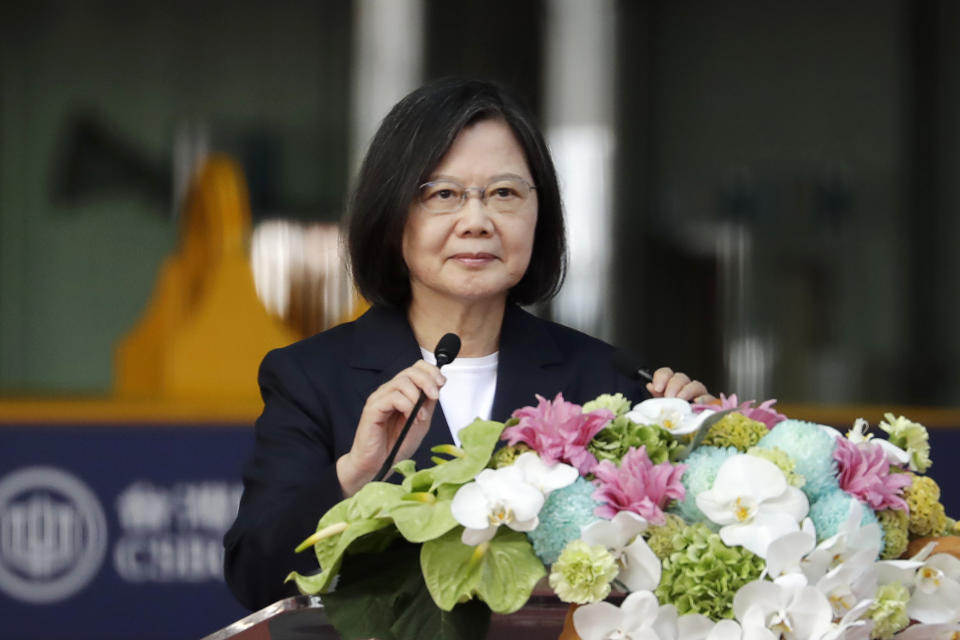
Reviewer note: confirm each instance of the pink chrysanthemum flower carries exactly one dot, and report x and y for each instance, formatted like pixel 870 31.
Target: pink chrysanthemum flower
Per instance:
pixel 559 431
pixel 637 485
pixel 865 473
pixel 764 413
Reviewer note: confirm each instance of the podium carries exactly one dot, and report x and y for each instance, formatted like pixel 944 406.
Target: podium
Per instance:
pixel 303 618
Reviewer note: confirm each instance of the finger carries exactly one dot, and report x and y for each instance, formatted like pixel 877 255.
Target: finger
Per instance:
pixel 677 382
pixel 418 430
pixel 425 380
pixel 659 383
pixel 694 391
pixel 430 369
pixel 380 411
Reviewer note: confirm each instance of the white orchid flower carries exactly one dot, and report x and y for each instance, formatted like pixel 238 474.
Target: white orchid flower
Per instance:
pixel 723 630
pixel 934 583
pixel 640 617
pixel 930 632
pixel 851 626
pixel 753 503
pixel 904 571
pixel 786 553
pixel 639 566
pixel 694 626
pixel 546 478
pixel 673 414
pixel 850 538
pixel 936 593
pixel 786 608
pixel 496 497
pixel 858 434
pixel 850 584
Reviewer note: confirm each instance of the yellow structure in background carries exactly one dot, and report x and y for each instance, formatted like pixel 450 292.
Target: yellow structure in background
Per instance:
pixel 204 331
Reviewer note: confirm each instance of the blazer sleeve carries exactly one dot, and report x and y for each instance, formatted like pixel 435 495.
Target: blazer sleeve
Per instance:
pixel 288 485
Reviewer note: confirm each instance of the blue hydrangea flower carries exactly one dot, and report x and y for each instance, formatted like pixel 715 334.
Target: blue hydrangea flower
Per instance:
pixel 832 510
pixel 811 448
pixel 564 513
pixel 702 466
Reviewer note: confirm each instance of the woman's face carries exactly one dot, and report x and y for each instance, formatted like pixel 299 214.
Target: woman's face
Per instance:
pixel 476 253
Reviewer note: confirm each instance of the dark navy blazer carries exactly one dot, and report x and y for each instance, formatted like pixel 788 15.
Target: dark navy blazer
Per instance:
pixel 313 393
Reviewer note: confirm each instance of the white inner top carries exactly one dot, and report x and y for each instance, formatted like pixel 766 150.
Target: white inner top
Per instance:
pixel 468 393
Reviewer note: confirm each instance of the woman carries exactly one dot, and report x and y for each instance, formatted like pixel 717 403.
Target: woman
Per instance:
pixel 456 220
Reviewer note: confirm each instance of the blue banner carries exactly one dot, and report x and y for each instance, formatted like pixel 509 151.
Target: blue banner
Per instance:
pixel 116 532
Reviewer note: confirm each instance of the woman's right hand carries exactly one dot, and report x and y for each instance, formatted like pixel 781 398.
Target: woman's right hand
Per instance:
pixel 382 420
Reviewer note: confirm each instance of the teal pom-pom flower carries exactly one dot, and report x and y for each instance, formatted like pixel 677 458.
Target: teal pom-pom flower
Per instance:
pixel 811 448
pixel 564 513
pixel 832 510
pixel 702 466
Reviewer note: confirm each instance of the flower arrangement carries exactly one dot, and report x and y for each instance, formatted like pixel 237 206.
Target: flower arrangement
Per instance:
pixel 707 522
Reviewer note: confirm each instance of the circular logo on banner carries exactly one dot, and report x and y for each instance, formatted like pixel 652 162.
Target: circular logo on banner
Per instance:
pixel 53 535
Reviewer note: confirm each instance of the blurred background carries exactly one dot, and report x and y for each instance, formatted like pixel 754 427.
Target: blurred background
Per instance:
pixel 762 194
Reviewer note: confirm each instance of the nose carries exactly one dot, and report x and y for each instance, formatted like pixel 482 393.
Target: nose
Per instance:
pixel 473 218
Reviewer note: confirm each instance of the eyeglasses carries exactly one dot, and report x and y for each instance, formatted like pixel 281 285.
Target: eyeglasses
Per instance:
pixel 504 195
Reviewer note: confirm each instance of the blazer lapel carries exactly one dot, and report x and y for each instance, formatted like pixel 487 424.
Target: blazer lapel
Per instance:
pixel 383 346
pixel 530 363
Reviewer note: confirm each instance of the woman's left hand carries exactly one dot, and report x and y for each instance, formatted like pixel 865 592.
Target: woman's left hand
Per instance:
pixel 668 383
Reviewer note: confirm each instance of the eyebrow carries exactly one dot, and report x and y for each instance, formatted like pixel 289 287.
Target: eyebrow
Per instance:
pixel 499 176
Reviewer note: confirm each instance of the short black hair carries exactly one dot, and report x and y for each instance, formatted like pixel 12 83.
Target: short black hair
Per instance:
pixel 411 141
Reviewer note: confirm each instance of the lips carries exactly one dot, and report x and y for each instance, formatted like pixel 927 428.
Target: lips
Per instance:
pixel 479 258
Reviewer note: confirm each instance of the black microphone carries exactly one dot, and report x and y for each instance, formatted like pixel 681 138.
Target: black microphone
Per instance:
pixel 626 363
pixel 447 349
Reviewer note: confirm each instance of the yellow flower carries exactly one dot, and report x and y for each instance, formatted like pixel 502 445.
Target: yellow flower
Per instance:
pixel 582 574
pixel 927 515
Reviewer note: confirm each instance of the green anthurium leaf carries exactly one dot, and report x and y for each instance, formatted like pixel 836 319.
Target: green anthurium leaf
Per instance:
pixel 422 619
pixel 330 550
pixel 422 521
pixel 383 596
pixel 311 584
pixel 447 491
pixel 502 572
pixel 374 542
pixel 348 520
pixel 406 468
pixel 511 570
pixel 422 480
pixel 375 499
pixel 371 590
pixel 451 569
pixel 477 440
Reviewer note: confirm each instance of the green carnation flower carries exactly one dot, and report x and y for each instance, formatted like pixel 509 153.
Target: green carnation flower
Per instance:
pixel 735 430
pixel 912 437
pixel 614 440
pixel 506 456
pixel 927 516
pixel 896 535
pixel 889 610
pixel 702 574
pixel 783 460
pixel 616 403
pixel 582 574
